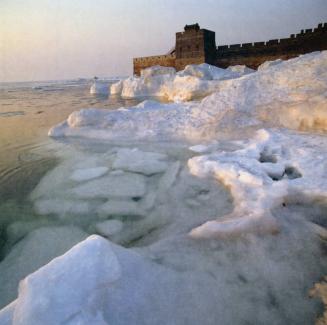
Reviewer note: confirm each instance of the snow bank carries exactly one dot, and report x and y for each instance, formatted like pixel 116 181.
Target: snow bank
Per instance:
pixel 273 168
pixel 290 94
pixel 192 82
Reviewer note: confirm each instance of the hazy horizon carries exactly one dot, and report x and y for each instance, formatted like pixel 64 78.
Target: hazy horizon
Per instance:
pixel 57 40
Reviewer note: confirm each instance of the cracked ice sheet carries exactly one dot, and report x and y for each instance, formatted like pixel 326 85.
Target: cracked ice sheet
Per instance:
pixel 274 167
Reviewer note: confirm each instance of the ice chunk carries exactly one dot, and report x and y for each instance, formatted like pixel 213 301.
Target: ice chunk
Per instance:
pixel 235 227
pixel 61 206
pixel 19 229
pixel 86 174
pixel 7 314
pixel 68 291
pixel 120 208
pixel 199 148
pixel 135 160
pixel 125 185
pixel 109 227
pixel 168 179
pixel 202 71
pixel 36 249
pixel 261 176
pixel 209 72
pixel 269 64
pixel 149 200
pixel 157 70
pixel 99 88
pixel 116 88
pixel 236 71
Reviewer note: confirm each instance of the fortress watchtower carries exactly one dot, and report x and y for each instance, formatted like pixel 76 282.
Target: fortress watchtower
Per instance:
pixel 194 46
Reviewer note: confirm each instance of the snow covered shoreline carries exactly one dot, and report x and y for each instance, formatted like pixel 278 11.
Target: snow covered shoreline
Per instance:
pixel 295 91
pixel 275 121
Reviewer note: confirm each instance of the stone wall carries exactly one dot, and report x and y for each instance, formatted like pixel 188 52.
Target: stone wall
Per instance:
pixel 196 46
pixel 254 54
pixel 150 61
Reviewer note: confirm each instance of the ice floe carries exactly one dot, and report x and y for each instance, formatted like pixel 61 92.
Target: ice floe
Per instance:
pixel 109 227
pixel 99 88
pixel 86 174
pixel 61 207
pixel 125 185
pixel 138 161
pixel 120 208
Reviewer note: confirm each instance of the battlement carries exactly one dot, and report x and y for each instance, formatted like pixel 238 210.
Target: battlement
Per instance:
pixel 254 54
pixel 195 45
pixel 294 37
pixel 154 57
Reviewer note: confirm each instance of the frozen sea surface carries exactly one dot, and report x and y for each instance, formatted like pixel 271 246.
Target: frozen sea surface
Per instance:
pixel 196 228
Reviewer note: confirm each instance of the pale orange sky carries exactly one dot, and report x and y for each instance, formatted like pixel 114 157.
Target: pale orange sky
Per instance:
pixel 61 39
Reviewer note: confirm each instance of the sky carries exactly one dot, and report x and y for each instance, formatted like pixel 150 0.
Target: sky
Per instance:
pixel 63 39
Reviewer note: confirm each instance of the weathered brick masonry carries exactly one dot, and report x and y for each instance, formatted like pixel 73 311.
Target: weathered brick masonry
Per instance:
pixel 195 46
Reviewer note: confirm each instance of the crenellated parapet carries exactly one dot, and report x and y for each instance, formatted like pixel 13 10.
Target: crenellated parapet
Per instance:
pixel 254 54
